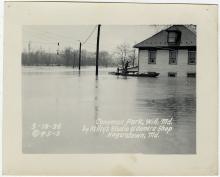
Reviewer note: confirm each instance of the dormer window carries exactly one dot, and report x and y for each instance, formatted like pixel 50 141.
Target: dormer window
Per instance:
pixel 173 37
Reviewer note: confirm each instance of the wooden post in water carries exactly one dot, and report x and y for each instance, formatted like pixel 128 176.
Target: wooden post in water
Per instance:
pixel 97 52
pixel 74 56
pixel 80 44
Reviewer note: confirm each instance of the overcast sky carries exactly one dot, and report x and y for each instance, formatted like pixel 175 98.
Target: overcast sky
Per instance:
pixel 47 37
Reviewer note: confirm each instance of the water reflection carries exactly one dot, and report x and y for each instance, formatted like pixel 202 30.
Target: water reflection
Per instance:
pixel 78 73
pixel 96 104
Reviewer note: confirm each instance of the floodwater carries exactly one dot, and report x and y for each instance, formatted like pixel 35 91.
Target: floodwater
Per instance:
pixel 64 97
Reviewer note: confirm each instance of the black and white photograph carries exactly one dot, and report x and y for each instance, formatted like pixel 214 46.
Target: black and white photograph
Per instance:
pixel 110 89
pixel 94 89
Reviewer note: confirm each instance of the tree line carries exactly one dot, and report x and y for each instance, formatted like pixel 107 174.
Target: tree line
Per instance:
pixel 70 57
pixel 67 57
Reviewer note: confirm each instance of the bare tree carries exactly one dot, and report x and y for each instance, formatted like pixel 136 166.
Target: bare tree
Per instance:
pixel 125 53
pixel 132 56
pixel 122 52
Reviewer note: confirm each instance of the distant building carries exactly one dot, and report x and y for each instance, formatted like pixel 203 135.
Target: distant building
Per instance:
pixel 170 52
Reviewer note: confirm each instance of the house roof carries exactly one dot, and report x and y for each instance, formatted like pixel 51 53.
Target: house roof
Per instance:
pixel 188 38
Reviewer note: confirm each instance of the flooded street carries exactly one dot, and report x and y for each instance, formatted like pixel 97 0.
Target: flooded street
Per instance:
pixel 62 95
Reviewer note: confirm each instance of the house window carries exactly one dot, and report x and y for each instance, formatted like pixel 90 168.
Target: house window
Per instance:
pixel 191 57
pixel 152 57
pixel 172 74
pixel 172 37
pixel 173 57
pixel 191 74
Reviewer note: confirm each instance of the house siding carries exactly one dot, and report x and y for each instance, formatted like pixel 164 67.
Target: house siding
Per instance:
pixel 162 65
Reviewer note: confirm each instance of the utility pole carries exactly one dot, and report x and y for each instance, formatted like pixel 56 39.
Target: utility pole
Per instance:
pixel 97 52
pixel 74 56
pixel 80 44
pixel 29 47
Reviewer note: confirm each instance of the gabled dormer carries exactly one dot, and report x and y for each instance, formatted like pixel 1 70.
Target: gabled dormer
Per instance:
pixel 173 37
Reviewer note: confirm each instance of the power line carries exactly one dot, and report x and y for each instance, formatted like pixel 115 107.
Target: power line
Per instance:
pixel 38 42
pixel 45 35
pixel 48 36
pixel 89 35
pixel 51 34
